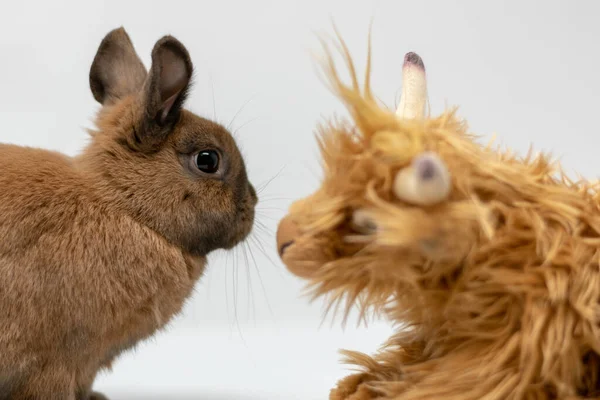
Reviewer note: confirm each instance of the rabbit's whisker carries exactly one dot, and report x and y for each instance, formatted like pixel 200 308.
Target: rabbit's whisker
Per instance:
pixel 227 292
pixel 212 86
pixel 263 185
pixel 261 248
pixel 270 208
pixel 262 199
pixel 267 217
pixel 262 228
pixel 239 111
pixel 250 291
pixel 243 125
pixel 232 305
pixel 235 288
pixel 237 321
pixel 260 279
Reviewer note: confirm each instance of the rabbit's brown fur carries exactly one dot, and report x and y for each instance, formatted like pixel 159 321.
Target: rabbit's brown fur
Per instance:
pixel 99 251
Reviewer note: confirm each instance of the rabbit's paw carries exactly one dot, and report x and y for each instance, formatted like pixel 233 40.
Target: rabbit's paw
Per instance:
pixel 353 387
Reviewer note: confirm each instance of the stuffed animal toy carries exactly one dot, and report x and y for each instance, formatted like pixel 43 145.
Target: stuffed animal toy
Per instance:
pixel 488 263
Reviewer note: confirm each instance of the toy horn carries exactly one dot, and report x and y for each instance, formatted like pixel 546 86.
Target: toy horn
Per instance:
pixel 427 180
pixel 414 88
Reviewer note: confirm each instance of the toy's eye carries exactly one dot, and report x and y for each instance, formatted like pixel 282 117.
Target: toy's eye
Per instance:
pixel 207 161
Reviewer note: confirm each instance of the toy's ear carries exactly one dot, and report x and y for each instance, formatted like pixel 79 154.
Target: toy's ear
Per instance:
pixel 116 71
pixel 165 89
pixel 414 88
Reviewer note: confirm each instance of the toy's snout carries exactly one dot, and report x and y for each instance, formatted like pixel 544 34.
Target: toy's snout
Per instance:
pixel 287 232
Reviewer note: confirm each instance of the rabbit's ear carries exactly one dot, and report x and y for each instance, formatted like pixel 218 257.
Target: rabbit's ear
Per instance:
pixel 117 71
pixel 166 87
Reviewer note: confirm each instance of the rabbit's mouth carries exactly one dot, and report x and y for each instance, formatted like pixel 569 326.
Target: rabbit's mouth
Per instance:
pixel 243 222
pixel 243 229
pixel 228 230
pixel 245 217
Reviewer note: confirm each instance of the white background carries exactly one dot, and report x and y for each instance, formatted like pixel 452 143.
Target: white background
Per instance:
pixel 525 70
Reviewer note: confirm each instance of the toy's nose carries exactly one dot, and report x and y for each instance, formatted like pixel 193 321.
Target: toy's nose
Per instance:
pixel 287 232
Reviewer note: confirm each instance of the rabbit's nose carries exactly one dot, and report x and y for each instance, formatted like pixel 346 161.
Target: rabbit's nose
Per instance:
pixel 253 194
pixel 287 232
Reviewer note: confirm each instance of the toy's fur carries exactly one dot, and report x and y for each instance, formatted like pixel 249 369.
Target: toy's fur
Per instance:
pixel 496 291
pixel 99 251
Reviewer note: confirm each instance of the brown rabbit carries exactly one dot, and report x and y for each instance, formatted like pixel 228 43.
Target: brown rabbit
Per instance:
pixel 99 251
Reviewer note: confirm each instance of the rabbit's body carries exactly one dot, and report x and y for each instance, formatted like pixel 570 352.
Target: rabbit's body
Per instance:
pixel 68 235
pixel 99 251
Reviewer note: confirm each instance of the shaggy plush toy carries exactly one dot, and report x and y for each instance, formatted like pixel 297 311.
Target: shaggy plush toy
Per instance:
pixel 487 262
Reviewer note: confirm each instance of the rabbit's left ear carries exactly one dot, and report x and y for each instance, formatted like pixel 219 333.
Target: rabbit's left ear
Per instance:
pixel 165 88
pixel 117 71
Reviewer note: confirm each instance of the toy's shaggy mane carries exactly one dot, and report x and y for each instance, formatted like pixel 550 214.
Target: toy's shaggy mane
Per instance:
pixel 498 286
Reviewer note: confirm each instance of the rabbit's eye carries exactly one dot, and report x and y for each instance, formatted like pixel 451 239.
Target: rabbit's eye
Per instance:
pixel 207 161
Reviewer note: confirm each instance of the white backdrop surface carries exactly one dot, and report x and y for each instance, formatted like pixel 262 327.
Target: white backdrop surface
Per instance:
pixel 526 70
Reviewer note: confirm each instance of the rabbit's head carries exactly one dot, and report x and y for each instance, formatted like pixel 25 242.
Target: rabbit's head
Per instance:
pixel 171 170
